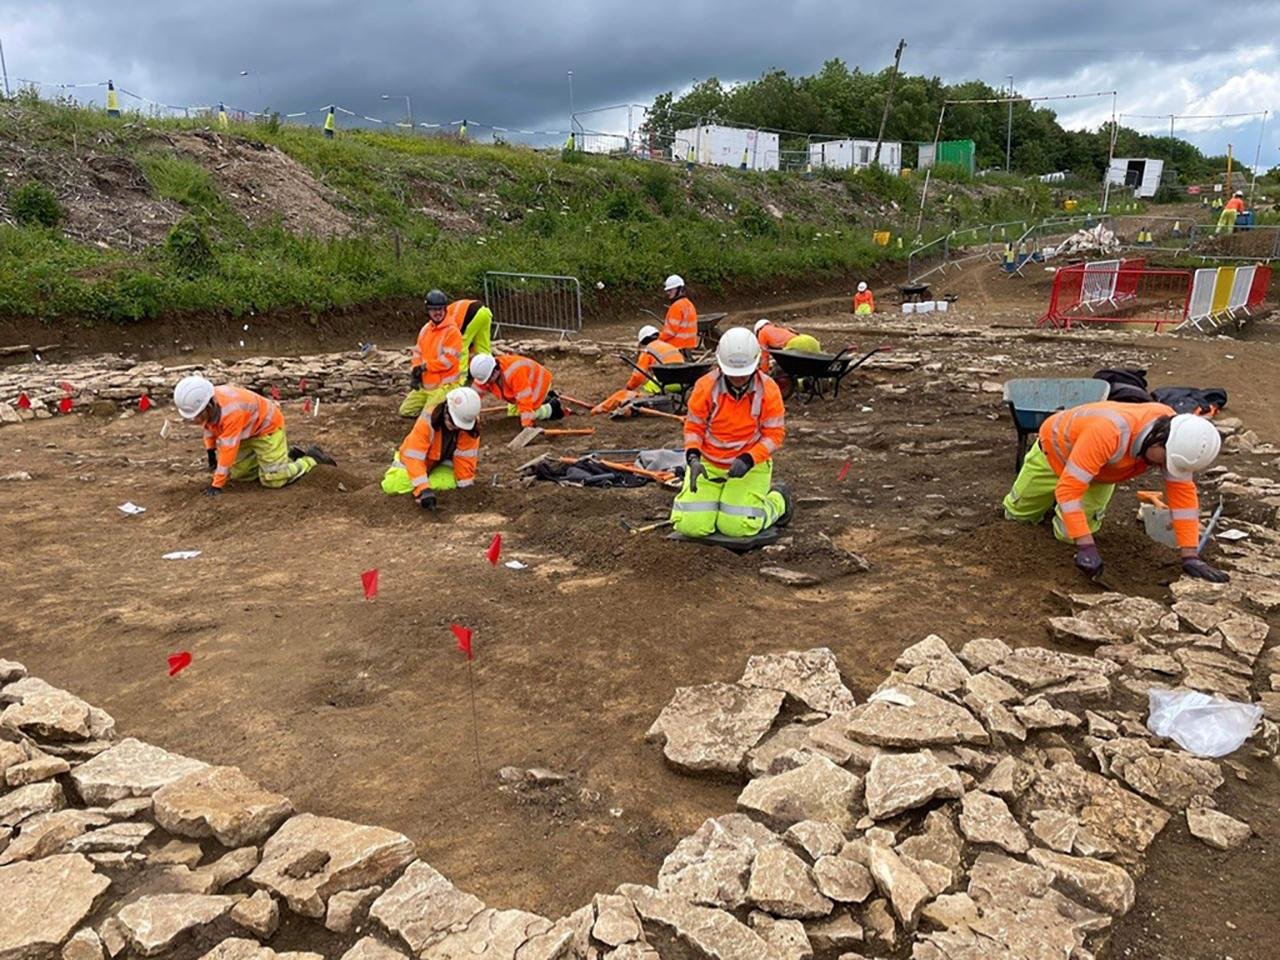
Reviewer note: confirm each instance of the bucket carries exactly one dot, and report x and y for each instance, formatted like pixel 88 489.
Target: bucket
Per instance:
pixel 908 308
pixel 941 305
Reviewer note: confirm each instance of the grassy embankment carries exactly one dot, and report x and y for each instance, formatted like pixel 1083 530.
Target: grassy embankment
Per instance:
pixel 623 223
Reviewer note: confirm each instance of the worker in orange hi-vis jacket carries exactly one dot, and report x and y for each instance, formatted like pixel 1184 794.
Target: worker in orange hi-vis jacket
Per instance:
pixel 1083 452
pixel 523 383
pixel 437 358
pixel 680 328
pixel 653 353
pixel 441 452
pixel 864 302
pixel 734 424
pixel 243 435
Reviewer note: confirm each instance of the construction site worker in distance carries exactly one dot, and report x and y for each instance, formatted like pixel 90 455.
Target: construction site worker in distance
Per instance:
pixel 734 425
pixel 243 435
pixel 864 301
pixel 441 452
pixel 437 358
pixel 680 329
pixel 653 352
pixel 522 383
pixel 1083 452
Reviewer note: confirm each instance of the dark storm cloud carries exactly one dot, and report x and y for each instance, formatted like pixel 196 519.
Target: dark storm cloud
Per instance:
pixel 506 63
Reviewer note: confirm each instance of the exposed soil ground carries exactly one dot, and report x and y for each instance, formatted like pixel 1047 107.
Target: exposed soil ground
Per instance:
pixel 362 710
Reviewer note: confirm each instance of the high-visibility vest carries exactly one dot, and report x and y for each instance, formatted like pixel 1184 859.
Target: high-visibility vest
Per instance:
pixel 522 382
pixel 772 336
pixel 722 427
pixel 680 329
pixel 241 414
pixel 655 353
pixel 437 351
pixel 1100 443
pixel 430 443
pixel 456 313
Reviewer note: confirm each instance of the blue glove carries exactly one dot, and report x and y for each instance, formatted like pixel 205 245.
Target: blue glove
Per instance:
pixel 1089 560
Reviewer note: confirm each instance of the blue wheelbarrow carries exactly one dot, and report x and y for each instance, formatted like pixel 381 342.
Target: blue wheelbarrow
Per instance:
pixel 1033 399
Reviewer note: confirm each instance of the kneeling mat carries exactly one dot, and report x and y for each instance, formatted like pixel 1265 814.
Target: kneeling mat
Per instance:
pixel 737 544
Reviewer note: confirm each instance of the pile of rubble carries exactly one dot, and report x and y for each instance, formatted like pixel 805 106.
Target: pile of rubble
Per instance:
pixel 121 380
pixel 983 803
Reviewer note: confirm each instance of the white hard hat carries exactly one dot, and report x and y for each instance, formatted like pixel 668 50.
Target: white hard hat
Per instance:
pixel 738 352
pixel 647 331
pixel 862 286
pixel 464 407
pixel 760 325
pixel 1238 193
pixel 1192 446
pixel 481 367
pixel 191 396
pixel 674 282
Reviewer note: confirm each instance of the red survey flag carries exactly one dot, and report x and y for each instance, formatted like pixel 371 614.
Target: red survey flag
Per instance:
pixel 464 639
pixel 302 385
pixel 844 472
pixel 66 386
pixel 144 403
pixel 370 581
pixel 24 402
pixel 306 405
pixel 179 662
pixel 64 405
pixel 495 548
pixel 275 392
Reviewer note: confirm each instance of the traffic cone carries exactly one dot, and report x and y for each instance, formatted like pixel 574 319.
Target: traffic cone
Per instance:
pixel 462 131
pixel 329 124
pixel 1177 228
pixel 743 165
pixel 113 100
pixel 689 159
pixel 899 243
pixel 223 122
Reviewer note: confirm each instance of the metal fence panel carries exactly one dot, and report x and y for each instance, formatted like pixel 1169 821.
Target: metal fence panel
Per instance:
pixel 1099 285
pixel 1202 294
pixel 534 301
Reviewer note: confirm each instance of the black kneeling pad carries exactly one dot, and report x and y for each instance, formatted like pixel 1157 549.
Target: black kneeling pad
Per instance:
pixel 737 544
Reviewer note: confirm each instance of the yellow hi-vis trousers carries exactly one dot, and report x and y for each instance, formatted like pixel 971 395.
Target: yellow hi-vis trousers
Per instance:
pixel 1032 495
pixel 735 508
pixel 266 459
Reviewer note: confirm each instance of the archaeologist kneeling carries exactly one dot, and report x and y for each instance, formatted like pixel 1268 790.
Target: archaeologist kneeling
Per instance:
pixel 734 425
pixel 440 452
pixel 524 384
pixel 653 353
pixel 437 358
pixel 774 336
pixel 243 435
pixel 1083 452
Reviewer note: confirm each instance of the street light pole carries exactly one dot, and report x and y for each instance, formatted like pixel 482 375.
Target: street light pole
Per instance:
pixel 1008 132
pixel 5 70
pixel 571 111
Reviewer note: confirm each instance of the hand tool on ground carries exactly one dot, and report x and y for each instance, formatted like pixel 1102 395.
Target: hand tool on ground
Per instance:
pixel 529 434
pixel 650 412
pixel 1213 525
pixel 574 401
pixel 499 408
pixel 633 529
pixel 657 476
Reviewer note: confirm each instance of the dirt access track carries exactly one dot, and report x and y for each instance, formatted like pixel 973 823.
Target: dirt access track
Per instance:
pixel 362 710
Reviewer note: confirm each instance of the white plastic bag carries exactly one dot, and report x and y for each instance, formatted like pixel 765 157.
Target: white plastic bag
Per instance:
pixel 1200 724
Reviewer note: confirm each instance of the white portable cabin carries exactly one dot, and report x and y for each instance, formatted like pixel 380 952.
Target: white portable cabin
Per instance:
pixel 855 154
pixel 727 146
pixel 1142 174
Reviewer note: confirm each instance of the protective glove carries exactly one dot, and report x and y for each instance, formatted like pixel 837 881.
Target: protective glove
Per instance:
pixel 1089 560
pixel 427 500
pixel 741 464
pixel 212 491
pixel 1195 567
pixel 695 469
pixel 415 378
pixel 213 459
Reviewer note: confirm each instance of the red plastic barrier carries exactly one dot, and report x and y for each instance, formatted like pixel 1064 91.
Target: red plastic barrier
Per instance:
pixel 1064 297
pixel 1141 295
pixel 1260 286
pixel 1127 279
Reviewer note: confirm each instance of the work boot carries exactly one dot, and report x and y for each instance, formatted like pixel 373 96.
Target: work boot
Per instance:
pixel 319 456
pixel 787 514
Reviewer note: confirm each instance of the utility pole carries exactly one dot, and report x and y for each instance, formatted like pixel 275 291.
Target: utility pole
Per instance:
pixel 1171 118
pixel 571 111
pixel 1008 130
pixel 5 70
pixel 888 100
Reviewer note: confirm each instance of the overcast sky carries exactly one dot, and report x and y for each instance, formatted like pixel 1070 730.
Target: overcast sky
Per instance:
pixel 506 63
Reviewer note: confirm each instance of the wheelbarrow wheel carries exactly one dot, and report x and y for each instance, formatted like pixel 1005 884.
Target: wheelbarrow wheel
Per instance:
pixel 786 383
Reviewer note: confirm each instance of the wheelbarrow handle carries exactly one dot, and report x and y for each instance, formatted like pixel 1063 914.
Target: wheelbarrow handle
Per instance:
pixel 639 369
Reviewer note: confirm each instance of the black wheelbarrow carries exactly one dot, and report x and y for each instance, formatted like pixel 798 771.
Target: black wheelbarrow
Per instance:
pixel 708 334
pixel 813 373
pixel 674 380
